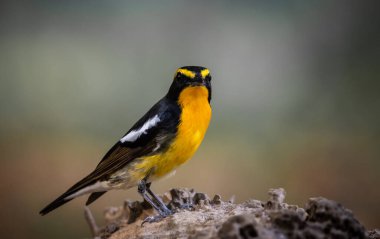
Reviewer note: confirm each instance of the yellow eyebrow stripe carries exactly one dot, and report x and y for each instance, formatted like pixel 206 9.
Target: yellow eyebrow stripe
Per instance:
pixel 205 73
pixel 187 73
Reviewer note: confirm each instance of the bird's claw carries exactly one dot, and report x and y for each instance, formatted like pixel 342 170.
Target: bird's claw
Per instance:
pixel 151 219
pixel 158 217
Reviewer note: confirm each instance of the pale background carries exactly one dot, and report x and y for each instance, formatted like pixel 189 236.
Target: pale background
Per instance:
pixel 295 100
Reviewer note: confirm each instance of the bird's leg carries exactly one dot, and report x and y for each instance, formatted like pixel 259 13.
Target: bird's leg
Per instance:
pixel 141 188
pixel 156 203
pixel 165 210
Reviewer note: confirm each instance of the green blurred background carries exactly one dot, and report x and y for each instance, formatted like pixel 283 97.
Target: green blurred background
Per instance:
pixel 296 100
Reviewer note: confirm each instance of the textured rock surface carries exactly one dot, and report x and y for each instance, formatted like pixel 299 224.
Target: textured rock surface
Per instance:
pixel 214 218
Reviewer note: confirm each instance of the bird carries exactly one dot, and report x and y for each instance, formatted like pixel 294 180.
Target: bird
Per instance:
pixel 164 138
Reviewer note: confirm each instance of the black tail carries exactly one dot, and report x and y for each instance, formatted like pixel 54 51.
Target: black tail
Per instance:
pixel 63 198
pixel 55 204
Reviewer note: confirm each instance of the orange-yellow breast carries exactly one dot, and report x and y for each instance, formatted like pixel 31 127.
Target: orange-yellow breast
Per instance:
pixel 194 121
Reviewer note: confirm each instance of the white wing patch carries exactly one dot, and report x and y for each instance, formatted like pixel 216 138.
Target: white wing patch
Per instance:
pixel 135 134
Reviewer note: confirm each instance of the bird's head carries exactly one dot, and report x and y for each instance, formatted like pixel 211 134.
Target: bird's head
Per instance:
pixel 190 76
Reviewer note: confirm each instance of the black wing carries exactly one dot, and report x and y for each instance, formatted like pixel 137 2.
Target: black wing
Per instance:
pixel 168 113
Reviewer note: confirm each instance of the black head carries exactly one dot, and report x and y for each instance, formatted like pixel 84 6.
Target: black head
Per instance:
pixel 190 76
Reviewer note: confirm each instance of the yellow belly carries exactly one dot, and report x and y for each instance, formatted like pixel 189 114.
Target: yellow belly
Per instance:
pixel 194 121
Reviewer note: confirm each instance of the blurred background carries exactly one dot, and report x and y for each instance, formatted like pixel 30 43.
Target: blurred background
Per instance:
pixel 296 100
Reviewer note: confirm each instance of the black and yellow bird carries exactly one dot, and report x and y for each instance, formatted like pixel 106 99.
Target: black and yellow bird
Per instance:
pixel 163 139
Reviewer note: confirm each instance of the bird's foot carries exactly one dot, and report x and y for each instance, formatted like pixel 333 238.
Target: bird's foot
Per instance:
pixel 158 217
pixel 151 219
pixel 165 211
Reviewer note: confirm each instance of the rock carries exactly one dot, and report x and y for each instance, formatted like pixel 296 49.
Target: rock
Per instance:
pixel 373 234
pixel 335 220
pixel 276 198
pixel 198 216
